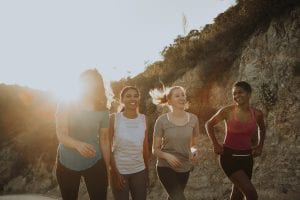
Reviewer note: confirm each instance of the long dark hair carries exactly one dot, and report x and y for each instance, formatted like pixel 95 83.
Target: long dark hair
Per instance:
pixel 93 78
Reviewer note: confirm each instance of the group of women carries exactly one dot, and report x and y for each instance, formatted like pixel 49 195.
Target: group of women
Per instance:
pixel 99 146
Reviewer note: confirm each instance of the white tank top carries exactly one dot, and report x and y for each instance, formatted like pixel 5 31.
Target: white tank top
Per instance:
pixel 128 143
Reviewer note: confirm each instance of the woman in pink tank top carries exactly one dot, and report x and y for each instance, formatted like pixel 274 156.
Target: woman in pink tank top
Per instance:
pixel 236 154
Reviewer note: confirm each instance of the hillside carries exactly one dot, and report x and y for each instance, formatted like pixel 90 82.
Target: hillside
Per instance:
pixel 27 140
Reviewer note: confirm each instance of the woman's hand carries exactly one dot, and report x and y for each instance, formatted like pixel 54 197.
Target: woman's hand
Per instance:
pixel 172 160
pixel 86 150
pixel 257 150
pixel 218 149
pixel 117 180
pixel 194 156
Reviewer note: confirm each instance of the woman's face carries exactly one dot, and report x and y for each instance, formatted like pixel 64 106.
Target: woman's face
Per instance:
pixel 240 96
pixel 177 98
pixel 90 88
pixel 131 99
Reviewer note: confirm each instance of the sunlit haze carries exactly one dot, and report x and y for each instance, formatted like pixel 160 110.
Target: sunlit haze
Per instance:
pixel 46 44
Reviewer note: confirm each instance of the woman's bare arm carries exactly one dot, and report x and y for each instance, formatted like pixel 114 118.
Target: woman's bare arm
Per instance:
pixel 209 126
pixel 62 133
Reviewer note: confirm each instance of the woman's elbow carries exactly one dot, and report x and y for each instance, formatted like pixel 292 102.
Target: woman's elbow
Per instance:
pixel 207 124
pixel 154 151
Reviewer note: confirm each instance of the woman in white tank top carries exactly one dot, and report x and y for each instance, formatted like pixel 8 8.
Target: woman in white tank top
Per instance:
pixel 129 163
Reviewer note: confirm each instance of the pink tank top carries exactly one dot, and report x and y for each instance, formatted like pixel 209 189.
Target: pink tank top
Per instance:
pixel 239 134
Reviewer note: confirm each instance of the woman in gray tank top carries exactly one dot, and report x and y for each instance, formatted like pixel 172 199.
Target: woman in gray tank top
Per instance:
pixel 129 163
pixel 82 132
pixel 174 141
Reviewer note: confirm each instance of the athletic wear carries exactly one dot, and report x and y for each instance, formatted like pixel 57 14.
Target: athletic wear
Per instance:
pixel 95 179
pixel 174 182
pixel 176 139
pixel 235 160
pixel 128 146
pixel 83 126
pixel 129 135
pixel 237 154
pixel 135 184
pixel 239 134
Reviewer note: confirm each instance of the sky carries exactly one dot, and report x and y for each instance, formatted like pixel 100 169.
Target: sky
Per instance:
pixel 46 44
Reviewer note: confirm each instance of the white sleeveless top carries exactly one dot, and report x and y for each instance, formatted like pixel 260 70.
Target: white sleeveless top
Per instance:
pixel 128 143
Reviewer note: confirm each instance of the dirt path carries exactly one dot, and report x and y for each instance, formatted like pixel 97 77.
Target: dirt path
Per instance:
pixel 24 197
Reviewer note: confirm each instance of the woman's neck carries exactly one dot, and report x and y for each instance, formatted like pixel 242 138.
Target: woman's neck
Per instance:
pixel 244 107
pixel 178 112
pixel 178 117
pixel 130 113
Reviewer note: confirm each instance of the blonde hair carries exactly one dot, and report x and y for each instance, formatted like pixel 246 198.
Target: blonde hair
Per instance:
pixel 161 96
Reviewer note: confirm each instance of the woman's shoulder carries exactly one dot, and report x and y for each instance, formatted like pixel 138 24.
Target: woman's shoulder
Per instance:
pixel 225 110
pixel 192 116
pixel 257 112
pixel 65 107
pixel 162 117
pixel 142 115
pixel 103 112
pixel 228 107
pixel 115 115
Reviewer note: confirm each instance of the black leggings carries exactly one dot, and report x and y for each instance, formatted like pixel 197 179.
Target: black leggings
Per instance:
pixel 174 182
pixel 136 184
pixel 95 179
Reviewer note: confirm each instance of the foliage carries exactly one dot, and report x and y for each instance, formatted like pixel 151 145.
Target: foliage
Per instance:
pixel 214 48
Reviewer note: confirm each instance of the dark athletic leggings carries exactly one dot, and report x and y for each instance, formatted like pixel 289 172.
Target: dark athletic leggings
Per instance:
pixel 95 179
pixel 136 184
pixel 174 182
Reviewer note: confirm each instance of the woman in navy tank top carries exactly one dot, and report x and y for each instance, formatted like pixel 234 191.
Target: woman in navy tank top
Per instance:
pixel 242 122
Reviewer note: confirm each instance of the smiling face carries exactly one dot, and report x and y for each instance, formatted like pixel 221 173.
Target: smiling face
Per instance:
pixel 177 98
pixel 131 99
pixel 240 96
